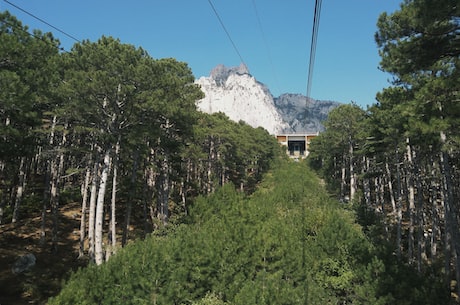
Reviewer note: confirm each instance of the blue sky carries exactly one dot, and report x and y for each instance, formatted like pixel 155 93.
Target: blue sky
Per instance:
pixel 276 53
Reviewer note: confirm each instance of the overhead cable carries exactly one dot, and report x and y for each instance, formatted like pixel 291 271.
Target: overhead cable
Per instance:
pixel 34 36
pixel 266 44
pixel 226 32
pixel 43 21
pixel 314 39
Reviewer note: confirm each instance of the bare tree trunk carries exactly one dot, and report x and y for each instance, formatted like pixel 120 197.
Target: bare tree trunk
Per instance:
pixel 2 206
pixel 436 211
pixel 54 202
pixel 447 236
pixel 398 206
pixel 3 192
pixel 209 165
pixel 381 195
pixel 2 169
pixel 366 182
pixel 57 167
pixel 183 196
pixel 451 211
pixel 99 221
pixel 149 213
pixel 46 195
pixel 129 203
pixel 113 228
pixel 92 211
pixel 343 180
pixel 163 190
pixel 421 239
pixel 84 209
pixel 390 187
pixel 411 201
pixel 352 173
pixel 20 189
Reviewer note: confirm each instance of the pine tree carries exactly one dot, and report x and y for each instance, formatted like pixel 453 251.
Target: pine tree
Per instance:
pixel 430 78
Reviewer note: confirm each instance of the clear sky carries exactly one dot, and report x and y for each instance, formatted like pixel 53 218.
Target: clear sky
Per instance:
pixel 272 36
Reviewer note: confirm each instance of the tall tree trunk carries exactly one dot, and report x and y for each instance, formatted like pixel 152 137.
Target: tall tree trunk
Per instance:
pixel 390 187
pixel 366 181
pixel 183 196
pixel 2 205
pixel 210 165
pixel 447 235
pixel 3 198
pixel 99 221
pixel 113 228
pixel 398 206
pixel 54 202
pixel 421 238
pixel 343 182
pixel 57 167
pixel 353 179
pixel 149 214
pixel 163 189
pixel 381 195
pixel 84 210
pixel 46 198
pixel 92 211
pixel 129 203
pixel 435 211
pixel 20 189
pixel 451 211
pixel 411 201
pixel 47 189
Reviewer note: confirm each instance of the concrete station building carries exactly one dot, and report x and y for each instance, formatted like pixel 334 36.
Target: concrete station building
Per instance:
pixel 296 144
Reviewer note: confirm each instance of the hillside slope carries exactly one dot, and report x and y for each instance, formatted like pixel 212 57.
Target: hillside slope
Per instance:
pixel 285 244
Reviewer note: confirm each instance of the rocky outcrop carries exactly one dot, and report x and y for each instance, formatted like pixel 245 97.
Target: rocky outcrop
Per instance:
pixel 235 92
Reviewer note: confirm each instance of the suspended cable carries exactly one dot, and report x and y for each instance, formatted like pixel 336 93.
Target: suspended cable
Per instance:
pixel 314 39
pixel 226 32
pixel 275 76
pixel 43 21
pixel 34 36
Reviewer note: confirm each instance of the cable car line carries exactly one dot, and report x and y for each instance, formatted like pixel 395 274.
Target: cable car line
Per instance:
pixel 314 39
pixel 43 21
pixel 226 32
pixel 270 59
pixel 34 36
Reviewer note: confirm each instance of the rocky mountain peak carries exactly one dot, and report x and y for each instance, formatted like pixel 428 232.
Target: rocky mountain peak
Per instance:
pixel 235 92
pixel 221 73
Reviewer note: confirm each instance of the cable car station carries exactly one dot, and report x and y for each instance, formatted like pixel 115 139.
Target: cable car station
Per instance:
pixel 296 144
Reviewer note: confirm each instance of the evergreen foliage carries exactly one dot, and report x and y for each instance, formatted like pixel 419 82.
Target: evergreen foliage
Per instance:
pixel 106 116
pixel 405 150
pixel 287 243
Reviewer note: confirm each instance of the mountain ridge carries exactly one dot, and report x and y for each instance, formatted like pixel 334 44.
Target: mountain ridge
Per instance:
pixel 238 94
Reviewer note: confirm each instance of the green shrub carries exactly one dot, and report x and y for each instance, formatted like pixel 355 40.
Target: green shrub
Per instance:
pixel 287 243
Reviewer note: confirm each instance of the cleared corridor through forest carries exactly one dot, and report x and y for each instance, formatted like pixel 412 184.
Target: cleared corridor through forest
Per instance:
pixel 287 243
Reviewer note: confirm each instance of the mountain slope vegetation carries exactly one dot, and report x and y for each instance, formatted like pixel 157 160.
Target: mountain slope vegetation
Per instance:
pixel 399 159
pixel 107 127
pixel 287 243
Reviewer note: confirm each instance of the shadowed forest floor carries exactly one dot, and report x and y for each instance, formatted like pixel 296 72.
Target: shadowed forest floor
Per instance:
pixel 45 278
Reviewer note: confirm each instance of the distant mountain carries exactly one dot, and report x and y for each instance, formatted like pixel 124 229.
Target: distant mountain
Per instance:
pixel 302 115
pixel 235 92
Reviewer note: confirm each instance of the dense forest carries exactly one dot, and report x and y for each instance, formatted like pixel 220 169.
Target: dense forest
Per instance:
pixel 399 159
pixel 108 123
pixel 182 207
pixel 289 242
